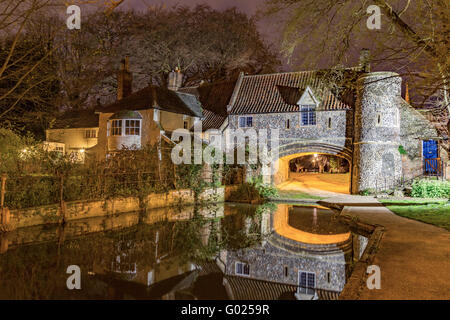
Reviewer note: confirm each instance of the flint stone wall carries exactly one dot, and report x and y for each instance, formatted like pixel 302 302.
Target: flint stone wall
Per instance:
pixel 376 159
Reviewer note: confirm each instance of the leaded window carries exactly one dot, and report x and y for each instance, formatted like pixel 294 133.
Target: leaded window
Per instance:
pixel 308 115
pixel 245 122
pixel 242 269
pixel 132 127
pixel 307 282
pixel 116 127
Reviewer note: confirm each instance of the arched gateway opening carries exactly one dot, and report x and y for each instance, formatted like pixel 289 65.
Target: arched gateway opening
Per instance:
pixel 319 170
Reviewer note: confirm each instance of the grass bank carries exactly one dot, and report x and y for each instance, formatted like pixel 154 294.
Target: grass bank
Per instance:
pixel 411 201
pixel 296 195
pixel 437 214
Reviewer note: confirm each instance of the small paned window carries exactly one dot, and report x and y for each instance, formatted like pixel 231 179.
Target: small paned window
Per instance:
pixel 308 115
pixel 242 269
pixel 116 127
pixel 132 127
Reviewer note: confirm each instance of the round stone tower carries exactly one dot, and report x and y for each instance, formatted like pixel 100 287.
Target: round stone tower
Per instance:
pixel 377 163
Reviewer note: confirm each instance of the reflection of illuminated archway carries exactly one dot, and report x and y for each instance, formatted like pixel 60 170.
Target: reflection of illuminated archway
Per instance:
pixel 281 227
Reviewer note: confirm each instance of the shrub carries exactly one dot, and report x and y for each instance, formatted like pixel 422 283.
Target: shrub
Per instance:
pixel 431 189
pixel 29 191
pixel 255 190
pixel 265 190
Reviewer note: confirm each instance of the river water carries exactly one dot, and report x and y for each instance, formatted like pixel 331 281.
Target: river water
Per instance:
pixel 222 251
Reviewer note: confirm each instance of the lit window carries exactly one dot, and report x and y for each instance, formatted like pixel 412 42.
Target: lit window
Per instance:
pixel 91 133
pixel 242 269
pixel 308 114
pixel 132 127
pixel 245 122
pixel 116 127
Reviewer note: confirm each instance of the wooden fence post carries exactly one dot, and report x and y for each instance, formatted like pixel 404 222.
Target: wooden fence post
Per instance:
pixel 4 211
pixel 2 199
pixel 61 199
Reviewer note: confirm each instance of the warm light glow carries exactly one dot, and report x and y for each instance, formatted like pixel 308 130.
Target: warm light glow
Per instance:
pixel 282 227
pixel 82 151
pixel 315 155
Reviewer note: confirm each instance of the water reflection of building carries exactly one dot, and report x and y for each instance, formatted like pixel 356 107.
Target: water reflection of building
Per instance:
pixel 169 254
pixel 314 265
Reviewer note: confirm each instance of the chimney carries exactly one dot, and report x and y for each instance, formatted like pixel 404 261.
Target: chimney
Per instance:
pixel 124 80
pixel 175 80
pixel 364 60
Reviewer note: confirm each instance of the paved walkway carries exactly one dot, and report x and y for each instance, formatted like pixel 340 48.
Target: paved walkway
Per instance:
pixel 318 184
pixel 414 257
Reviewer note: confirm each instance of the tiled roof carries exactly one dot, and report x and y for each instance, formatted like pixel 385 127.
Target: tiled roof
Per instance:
pixel 159 98
pixel 279 92
pixel 212 120
pixel 243 288
pixel 85 118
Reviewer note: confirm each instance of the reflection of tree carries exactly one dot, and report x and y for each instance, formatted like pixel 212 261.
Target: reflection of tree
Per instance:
pixel 39 271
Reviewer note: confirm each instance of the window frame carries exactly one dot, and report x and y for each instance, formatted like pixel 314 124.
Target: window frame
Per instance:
pixel 248 122
pixel 134 128
pixel 311 115
pixel 244 265
pixel 90 134
pixel 116 129
pixel 306 289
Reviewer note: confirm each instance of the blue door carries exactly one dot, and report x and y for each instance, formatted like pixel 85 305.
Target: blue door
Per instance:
pixel 430 155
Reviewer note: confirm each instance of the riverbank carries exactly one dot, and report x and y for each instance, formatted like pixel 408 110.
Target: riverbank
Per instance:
pixel 413 256
pixel 75 210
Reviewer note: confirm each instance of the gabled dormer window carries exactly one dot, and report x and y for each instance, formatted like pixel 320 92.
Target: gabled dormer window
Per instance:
pixel 307 105
pixel 308 115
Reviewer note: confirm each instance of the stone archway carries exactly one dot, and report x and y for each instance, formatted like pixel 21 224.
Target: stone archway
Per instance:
pixel 294 150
